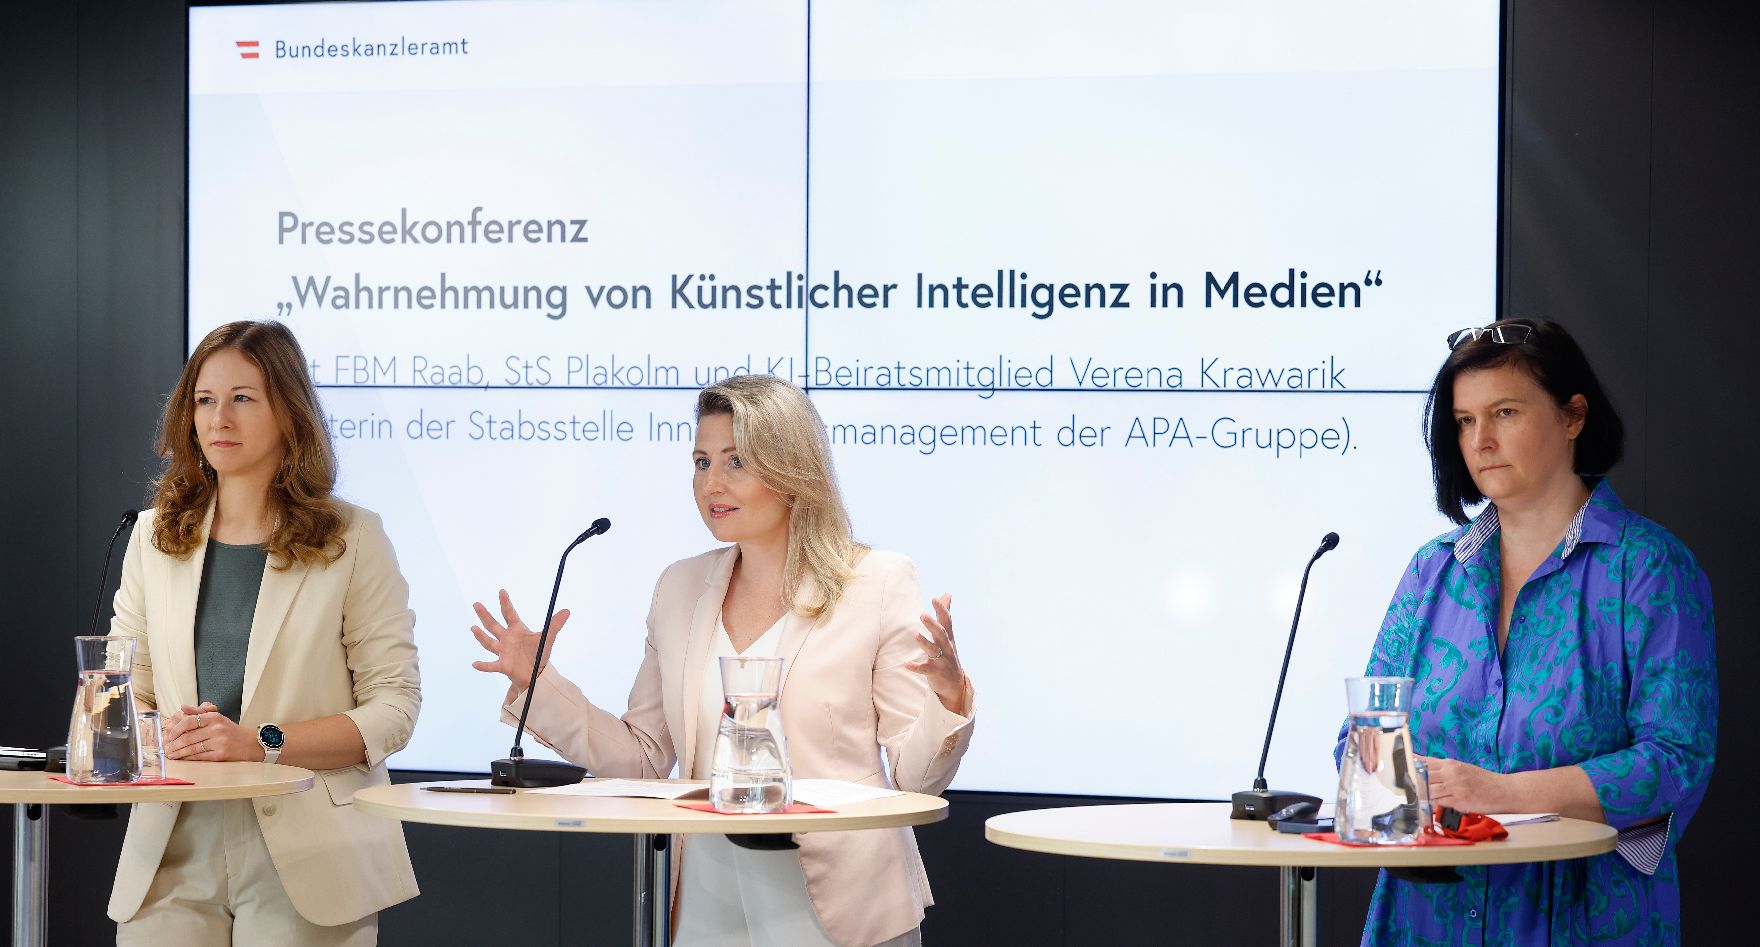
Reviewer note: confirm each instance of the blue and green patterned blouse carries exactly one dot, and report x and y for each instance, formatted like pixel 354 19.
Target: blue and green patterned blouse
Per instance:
pixel 1610 666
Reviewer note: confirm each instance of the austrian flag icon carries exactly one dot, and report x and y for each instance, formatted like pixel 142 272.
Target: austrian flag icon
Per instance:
pixel 247 48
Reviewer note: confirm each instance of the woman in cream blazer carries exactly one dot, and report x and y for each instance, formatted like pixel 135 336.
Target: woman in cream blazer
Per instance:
pixel 864 670
pixel 329 666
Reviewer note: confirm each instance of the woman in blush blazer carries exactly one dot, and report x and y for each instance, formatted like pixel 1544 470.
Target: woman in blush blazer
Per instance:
pixel 274 626
pixel 864 671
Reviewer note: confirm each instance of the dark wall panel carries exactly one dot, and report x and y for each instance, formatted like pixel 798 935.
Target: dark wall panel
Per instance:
pixel 1705 212
pixel 131 191
pixel 39 377
pixel 1577 189
pixel 1631 213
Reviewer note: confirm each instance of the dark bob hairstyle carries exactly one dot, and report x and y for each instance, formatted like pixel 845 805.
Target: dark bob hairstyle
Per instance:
pixel 1551 357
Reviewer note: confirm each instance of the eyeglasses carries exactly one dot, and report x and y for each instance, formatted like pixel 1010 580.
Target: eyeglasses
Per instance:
pixel 1506 334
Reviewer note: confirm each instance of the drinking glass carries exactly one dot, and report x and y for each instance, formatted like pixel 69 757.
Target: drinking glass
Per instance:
pixel 1427 810
pixel 152 744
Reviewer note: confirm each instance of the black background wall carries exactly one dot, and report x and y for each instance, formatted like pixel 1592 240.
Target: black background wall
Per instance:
pixel 1631 212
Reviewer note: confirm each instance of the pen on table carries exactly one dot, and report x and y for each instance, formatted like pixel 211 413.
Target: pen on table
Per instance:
pixel 497 790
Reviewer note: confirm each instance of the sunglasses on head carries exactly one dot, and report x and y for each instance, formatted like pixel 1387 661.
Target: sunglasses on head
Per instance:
pixel 1506 334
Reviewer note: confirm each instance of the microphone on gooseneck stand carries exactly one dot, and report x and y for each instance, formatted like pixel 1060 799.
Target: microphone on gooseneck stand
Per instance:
pixel 1259 802
pixel 55 758
pixel 128 518
pixel 516 770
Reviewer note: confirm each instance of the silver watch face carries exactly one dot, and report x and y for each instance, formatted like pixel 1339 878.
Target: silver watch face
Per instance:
pixel 271 736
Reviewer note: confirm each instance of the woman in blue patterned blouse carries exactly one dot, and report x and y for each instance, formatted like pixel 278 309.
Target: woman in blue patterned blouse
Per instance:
pixel 1562 648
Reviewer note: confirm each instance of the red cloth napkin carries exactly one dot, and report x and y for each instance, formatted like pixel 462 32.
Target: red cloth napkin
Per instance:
pixel 798 808
pixel 1425 839
pixel 1474 827
pixel 146 781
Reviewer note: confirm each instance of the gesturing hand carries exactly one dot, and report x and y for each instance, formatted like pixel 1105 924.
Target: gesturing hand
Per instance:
pixel 511 642
pixel 201 733
pixel 940 664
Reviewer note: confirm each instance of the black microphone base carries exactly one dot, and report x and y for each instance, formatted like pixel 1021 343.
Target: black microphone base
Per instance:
pixel 534 774
pixel 1259 804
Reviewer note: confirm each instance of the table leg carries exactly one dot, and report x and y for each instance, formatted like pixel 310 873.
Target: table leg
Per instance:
pixel 30 869
pixel 653 902
pixel 1300 903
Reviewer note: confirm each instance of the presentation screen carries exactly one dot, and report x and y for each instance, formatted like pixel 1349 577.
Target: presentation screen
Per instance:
pixel 1112 311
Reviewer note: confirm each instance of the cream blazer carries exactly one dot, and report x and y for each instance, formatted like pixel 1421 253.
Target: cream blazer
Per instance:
pixel 845 695
pixel 324 640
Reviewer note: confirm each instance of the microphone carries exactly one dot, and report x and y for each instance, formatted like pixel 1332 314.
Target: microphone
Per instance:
pixel 128 518
pixel 1259 802
pixel 516 770
pixel 55 758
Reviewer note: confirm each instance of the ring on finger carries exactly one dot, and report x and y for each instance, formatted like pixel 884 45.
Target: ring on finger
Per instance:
pixel 940 653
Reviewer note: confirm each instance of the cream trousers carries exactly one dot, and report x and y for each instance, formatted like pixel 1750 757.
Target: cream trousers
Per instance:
pixel 217 886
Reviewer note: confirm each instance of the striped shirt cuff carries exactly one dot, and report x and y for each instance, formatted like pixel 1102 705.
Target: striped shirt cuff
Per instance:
pixel 1642 845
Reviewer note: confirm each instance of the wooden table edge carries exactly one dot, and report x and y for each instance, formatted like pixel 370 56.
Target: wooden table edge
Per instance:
pixel 1325 854
pixel 62 794
pixel 684 822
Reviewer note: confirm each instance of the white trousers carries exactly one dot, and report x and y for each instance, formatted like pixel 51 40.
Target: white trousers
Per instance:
pixel 216 886
pixel 735 897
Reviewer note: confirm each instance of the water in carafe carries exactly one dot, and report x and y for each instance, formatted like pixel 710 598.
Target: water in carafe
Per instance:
pixel 103 742
pixel 750 768
pixel 1380 800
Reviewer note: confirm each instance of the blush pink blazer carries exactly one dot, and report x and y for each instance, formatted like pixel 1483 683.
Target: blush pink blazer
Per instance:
pixel 846 695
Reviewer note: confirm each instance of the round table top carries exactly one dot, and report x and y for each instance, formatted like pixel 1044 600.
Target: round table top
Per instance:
pixel 1202 833
pixel 212 781
pixel 549 812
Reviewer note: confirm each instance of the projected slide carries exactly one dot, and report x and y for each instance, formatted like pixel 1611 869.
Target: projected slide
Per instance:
pixel 1112 310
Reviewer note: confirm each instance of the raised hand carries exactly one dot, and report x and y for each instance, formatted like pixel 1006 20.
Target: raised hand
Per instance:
pixel 511 642
pixel 940 665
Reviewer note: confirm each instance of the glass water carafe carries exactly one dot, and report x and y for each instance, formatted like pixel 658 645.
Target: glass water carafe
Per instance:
pixel 1380 793
pixel 750 770
pixel 103 741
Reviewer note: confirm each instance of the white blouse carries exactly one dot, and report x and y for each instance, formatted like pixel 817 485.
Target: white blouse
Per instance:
pixel 735 897
pixel 710 699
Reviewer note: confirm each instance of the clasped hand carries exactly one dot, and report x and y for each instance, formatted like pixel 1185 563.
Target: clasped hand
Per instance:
pixel 202 733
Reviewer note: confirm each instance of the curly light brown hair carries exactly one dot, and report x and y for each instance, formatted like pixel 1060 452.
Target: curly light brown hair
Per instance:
pixel 308 521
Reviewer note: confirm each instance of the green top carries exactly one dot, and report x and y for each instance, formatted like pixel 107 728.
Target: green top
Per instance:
pixel 231 578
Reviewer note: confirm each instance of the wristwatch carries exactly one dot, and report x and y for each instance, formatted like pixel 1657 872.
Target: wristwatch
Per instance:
pixel 272 738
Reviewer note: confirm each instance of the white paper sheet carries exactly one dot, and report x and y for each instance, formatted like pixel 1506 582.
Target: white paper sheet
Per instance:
pixel 630 788
pixel 1508 819
pixel 831 793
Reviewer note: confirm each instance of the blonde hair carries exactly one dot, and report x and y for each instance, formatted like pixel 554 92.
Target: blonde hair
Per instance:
pixel 308 520
pixel 781 440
